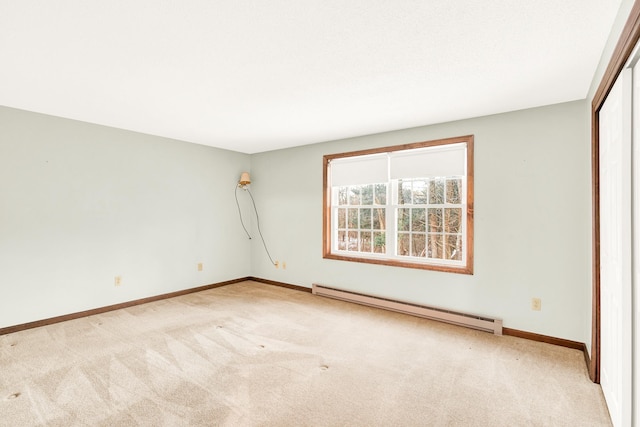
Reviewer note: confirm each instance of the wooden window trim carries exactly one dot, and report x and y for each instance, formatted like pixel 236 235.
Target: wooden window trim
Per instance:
pixel 326 204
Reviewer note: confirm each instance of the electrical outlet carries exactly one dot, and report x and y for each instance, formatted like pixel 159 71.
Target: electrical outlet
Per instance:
pixel 199 266
pixel 117 281
pixel 277 264
pixel 536 304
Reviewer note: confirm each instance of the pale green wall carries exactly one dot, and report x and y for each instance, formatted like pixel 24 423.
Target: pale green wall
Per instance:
pixel 532 221
pixel 81 203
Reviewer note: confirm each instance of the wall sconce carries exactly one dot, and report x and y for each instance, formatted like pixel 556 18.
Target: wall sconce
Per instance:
pixel 244 180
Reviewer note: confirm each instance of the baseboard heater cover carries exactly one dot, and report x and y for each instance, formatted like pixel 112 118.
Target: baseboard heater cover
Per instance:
pixel 462 319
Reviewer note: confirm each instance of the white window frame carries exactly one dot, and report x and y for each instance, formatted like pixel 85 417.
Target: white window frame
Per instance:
pixel 373 157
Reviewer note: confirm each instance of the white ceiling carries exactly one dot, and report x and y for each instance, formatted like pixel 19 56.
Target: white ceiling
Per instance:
pixel 252 76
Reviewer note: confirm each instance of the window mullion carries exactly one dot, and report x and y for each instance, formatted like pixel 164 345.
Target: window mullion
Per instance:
pixel 391 218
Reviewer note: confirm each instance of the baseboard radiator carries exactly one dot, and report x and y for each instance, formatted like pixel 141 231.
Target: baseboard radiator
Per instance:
pixel 461 319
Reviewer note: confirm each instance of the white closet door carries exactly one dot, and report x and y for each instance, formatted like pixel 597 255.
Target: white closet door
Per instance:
pixel 615 250
pixel 635 171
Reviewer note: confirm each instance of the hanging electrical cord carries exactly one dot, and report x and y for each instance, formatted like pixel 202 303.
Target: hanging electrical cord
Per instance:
pixel 255 209
pixel 240 212
pixel 258 223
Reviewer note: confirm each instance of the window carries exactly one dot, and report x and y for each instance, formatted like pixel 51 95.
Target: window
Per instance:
pixel 408 205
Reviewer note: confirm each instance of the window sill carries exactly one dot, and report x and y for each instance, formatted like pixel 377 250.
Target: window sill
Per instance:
pixel 399 263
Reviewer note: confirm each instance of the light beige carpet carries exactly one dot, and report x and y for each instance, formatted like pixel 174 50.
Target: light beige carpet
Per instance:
pixel 251 354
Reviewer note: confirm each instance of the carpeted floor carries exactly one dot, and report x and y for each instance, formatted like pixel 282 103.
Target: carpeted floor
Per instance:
pixel 251 354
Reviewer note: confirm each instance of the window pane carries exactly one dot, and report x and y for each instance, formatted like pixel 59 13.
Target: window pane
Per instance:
pixel 352 220
pixel 367 194
pixel 342 218
pixel 354 195
pixel 419 192
pixel 436 191
pixel 452 218
pixel 418 242
pixel 403 219
pixel 379 243
pixel 453 250
pixel 342 195
pixel 381 194
pixel 454 187
pixel 365 241
pixel 435 246
pixel 418 219
pixel 404 192
pixel 435 220
pixel 342 241
pixel 353 241
pixel 403 244
pixel 365 218
pixel 378 218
